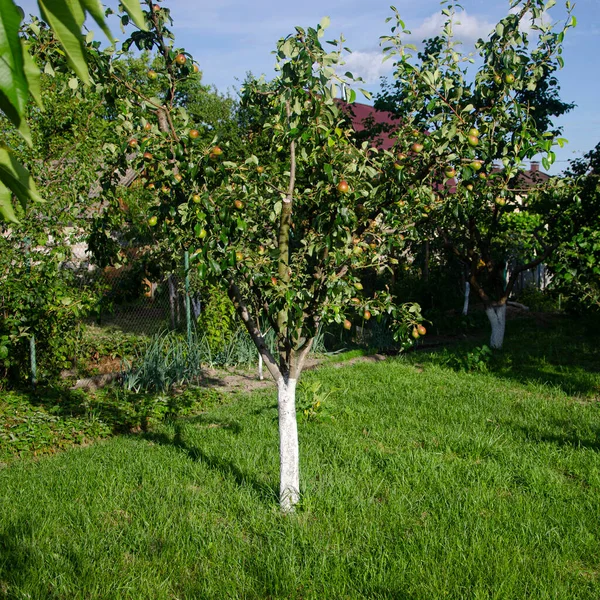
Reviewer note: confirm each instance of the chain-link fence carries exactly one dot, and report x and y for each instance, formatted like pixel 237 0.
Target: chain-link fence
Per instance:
pixel 133 309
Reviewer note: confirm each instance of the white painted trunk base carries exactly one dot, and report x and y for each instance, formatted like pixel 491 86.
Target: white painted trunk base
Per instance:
pixel 466 304
pixel 497 316
pixel 289 458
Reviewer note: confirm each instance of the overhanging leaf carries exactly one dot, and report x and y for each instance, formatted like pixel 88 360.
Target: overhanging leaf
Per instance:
pixel 13 82
pixel 60 16
pixel 32 73
pixel 135 12
pixel 16 178
pixel 94 7
pixel 7 212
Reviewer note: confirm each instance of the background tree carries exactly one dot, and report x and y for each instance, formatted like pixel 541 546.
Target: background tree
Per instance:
pixel 19 77
pixel 575 267
pixel 206 115
pixel 470 135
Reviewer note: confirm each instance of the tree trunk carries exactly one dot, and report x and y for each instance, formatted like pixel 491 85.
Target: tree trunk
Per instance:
pixel 289 463
pixel 465 311
pixel 497 315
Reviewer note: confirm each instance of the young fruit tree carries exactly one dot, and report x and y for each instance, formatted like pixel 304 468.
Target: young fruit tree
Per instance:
pixel 287 238
pixel 290 238
pixel 472 133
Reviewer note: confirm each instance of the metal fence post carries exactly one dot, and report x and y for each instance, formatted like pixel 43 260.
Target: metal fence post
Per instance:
pixel 33 360
pixel 188 315
pixel 32 354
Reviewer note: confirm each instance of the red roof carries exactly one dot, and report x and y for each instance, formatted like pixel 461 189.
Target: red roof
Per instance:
pixel 359 113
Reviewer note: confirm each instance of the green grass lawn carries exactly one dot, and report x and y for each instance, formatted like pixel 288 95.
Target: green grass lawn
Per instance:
pixel 419 482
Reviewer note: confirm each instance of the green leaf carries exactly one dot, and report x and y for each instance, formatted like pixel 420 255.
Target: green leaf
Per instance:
pixel 325 22
pixel 94 7
pixel 351 96
pixel 13 81
pixel 15 177
pixel 32 73
pixel 7 212
pixel 66 22
pixel 135 12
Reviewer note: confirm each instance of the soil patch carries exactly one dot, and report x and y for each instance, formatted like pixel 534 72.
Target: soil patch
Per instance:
pixel 239 380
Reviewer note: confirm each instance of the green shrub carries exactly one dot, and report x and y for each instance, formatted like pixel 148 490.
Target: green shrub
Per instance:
pixel 538 300
pixel 475 360
pixel 39 297
pixel 217 322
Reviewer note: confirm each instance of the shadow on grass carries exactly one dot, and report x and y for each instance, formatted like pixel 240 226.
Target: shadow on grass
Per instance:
pixel 271 408
pixel 17 562
pixel 114 406
pixel 574 381
pixel 561 432
pixel 553 350
pixel 66 403
pixel 266 492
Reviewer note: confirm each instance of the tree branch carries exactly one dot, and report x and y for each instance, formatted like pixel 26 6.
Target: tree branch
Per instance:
pixel 530 265
pixel 283 268
pixel 257 337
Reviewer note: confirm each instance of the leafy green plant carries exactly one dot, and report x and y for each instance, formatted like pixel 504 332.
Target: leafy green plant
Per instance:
pixel 217 322
pixel 39 297
pixel 311 401
pixel 536 299
pixel 167 361
pixel 475 360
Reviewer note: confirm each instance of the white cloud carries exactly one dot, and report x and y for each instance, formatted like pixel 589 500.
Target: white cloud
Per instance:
pixel 527 21
pixel 367 65
pixel 467 28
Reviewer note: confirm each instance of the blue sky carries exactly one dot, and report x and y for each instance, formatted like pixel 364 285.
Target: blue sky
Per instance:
pixel 228 38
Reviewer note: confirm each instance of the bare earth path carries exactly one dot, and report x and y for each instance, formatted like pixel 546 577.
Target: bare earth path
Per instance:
pixel 239 380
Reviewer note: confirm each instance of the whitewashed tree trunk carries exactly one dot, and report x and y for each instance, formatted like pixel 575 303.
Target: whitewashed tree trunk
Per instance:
pixel 497 316
pixel 289 459
pixel 466 303
pixel 260 367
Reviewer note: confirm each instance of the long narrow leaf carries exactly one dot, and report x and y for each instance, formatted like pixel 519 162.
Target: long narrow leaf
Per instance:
pixel 134 10
pixel 16 178
pixel 7 212
pixel 94 7
pixel 33 76
pixel 13 82
pixel 59 15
